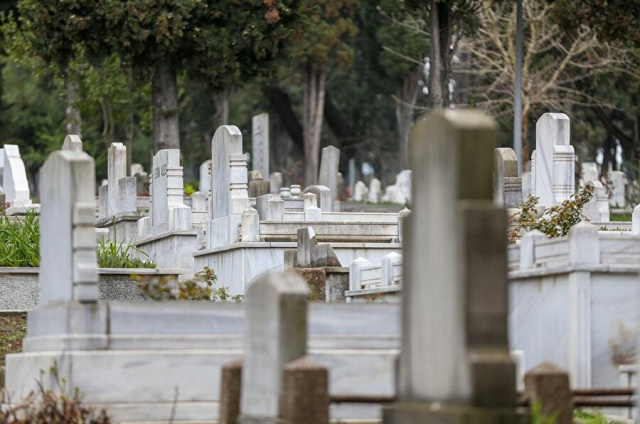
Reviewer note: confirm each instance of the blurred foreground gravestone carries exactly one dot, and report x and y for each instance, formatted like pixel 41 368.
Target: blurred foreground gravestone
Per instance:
pixel 454 363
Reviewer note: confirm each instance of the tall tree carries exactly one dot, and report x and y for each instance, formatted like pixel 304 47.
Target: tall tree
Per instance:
pixel 320 43
pixel 157 39
pixel 554 65
pixel 405 42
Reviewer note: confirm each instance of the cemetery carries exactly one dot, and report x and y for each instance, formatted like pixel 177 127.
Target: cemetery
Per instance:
pixel 319 212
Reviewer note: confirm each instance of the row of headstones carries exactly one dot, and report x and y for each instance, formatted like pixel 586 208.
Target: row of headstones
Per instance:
pixel 617 198
pixel 454 362
pixel 399 193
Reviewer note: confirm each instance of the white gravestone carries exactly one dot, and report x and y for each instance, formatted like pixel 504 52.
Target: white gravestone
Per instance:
pixel 275 334
pixel 619 184
pixel 329 164
pixel 72 143
pixel 229 193
pixel 260 143
pixel 590 172
pixel 167 193
pixel 507 186
pixel 554 160
pixel 403 187
pixel 205 178
pixel 375 188
pixel 360 192
pixel 68 264
pixel 117 169
pixel 15 183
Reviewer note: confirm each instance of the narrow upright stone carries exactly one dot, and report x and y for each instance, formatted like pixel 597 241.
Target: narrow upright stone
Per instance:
pixel 68 263
pixel 15 183
pixel 307 244
pixel 260 143
pixel 205 178
pixel 226 147
pixel 117 169
pixel 127 189
pixel 507 186
pixel 329 164
pixel 548 385
pixel 276 334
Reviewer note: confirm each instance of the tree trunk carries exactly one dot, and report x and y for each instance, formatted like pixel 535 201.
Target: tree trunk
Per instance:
pixel 221 100
pixel 74 121
pixel 439 54
pixel 313 111
pixel 405 107
pixel 164 92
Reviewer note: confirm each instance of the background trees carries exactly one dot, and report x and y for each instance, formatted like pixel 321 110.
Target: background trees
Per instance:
pixel 351 73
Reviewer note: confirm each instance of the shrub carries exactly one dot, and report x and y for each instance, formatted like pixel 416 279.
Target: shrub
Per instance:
pixel 201 287
pixel 555 221
pixel 20 246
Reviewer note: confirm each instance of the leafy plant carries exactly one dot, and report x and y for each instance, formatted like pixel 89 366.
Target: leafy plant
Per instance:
pixel 596 416
pixel 537 417
pixel 201 287
pixel 189 189
pixel 113 255
pixel 20 245
pixel 555 221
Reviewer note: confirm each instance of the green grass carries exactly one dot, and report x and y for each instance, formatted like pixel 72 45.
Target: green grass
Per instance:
pixel 13 328
pixel 113 255
pixel 621 217
pixel 20 245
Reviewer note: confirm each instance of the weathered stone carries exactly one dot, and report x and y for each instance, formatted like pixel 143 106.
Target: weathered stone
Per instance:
pixel 619 183
pixel 316 279
pixel 250 230
pixel 507 186
pixel 276 334
pixel 275 182
pixel 230 385
pixel 258 188
pixel 260 143
pixel 205 178
pixel 127 194
pixel 270 208
pixel 307 244
pixel 305 393
pixel 548 386
pixel 324 196
pixel 375 188
pixel 329 164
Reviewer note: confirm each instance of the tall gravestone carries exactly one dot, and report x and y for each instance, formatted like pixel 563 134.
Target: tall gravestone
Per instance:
pixel 228 180
pixel 454 363
pixel 260 143
pixel 205 178
pixel 117 169
pixel 329 164
pixel 554 170
pixel 276 334
pixel 68 264
pixel 507 186
pixel 167 191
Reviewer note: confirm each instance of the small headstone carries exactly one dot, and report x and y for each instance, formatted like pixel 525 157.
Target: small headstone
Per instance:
pixel 72 143
pixel 375 188
pixel 250 226
pixel 360 192
pixel 258 187
pixel 260 143
pixel 548 386
pixel 68 264
pixel 306 247
pixel 275 183
pixel 323 195
pixel 127 194
pixel 205 177
pixel 309 199
pixel 590 172
pixel 199 202
pixel 312 214
pixel 619 183
pixel 275 334
pixel 270 207
pixel 329 164
pixel 403 187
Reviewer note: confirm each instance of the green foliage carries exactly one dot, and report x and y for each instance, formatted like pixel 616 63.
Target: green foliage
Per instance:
pixel 201 287
pixel 594 416
pixel 327 27
pixel 537 417
pixel 556 221
pixel 621 217
pixel 190 188
pixel 20 245
pixel 13 329
pixel 402 38
pixel 113 255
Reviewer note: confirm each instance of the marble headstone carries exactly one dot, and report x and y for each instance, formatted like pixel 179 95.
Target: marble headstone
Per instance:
pixel 329 164
pixel 72 143
pixel 116 169
pixel 15 183
pixel 260 142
